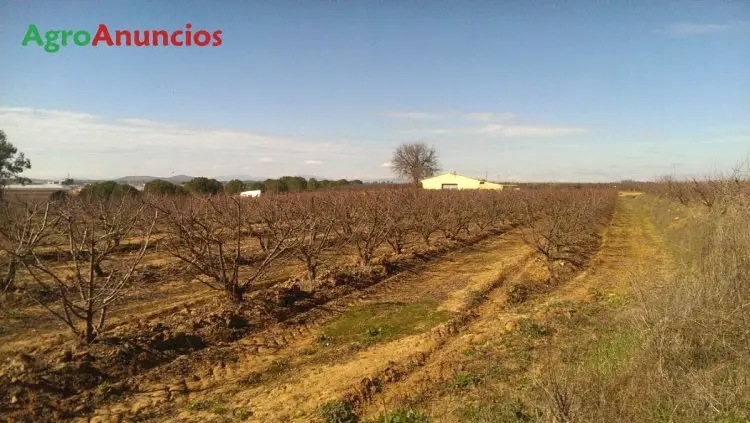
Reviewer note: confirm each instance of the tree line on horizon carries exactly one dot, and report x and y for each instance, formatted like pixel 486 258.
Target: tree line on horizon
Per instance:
pixel 210 186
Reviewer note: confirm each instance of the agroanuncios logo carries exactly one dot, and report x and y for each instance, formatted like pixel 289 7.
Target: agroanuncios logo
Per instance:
pixel 53 40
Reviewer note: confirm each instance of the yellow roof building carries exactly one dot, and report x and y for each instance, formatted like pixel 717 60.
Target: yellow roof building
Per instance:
pixel 452 180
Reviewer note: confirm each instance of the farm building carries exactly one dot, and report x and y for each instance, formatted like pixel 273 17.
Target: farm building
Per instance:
pixel 254 193
pixel 453 180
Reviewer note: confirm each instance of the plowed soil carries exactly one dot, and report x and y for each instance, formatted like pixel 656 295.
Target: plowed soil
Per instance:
pixel 412 340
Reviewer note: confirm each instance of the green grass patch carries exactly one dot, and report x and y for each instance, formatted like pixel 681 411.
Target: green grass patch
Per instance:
pixel 734 417
pixel 465 380
pixel 612 299
pixel 308 351
pixel 532 329
pixel 472 351
pixel 242 413
pixel 613 351
pixel 409 415
pixel 382 322
pixel 13 314
pixel 212 405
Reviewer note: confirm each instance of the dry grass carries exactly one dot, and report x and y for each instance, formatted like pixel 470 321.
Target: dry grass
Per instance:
pixel 681 352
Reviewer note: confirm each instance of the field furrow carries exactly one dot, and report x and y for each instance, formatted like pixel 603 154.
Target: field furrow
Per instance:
pixel 267 370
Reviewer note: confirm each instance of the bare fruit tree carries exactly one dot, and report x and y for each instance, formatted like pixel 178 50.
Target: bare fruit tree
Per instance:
pixel 211 236
pixel 362 222
pixel 313 230
pixel 93 230
pixel 489 209
pixel 677 189
pixel 457 213
pixel 23 227
pixel 428 214
pixel 707 191
pixel 400 220
pixel 415 161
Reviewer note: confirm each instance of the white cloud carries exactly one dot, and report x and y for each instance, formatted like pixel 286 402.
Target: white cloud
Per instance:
pixel 487 124
pixel 416 115
pixel 688 29
pixel 386 164
pixel 313 162
pixel 435 131
pixel 266 160
pixel 501 130
pixel 88 145
pixel 488 117
pixel 472 116
pixel 80 131
pixel 730 139
pixel 528 130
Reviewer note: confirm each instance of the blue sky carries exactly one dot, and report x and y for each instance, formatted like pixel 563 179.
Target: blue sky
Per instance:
pixel 542 90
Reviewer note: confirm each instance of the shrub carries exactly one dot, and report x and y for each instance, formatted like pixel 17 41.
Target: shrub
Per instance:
pixel 233 187
pixel 373 332
pixel 338 411
pixel 203 185
pixel 242 414
pixel 108 190
pixel 519 293
pixel 531 329
pixel 159 187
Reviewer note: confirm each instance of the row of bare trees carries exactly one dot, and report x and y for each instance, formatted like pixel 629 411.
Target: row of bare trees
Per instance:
pixel 564 225
pixel 707 191
pixel 85 250
pixel 233 243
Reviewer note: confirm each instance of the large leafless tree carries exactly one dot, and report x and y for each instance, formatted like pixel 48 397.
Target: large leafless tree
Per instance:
pixel 415 161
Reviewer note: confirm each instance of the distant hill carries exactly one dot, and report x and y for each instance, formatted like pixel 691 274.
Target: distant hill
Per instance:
pixel 226 178
pixel 136 180
pixel 320 178
pixel 180 179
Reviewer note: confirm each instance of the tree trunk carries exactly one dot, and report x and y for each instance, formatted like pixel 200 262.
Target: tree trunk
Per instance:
pixel 90 331
pixel 554 276
pixel 93 269
pixel 312 267
pixel 396 246
pixel 311 274
pixel 10 277
pixel 98 270
pixel 235 292
pixel 262 242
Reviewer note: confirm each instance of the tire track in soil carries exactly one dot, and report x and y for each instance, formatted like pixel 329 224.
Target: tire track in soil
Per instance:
pixel 630 250
pixel 214 371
